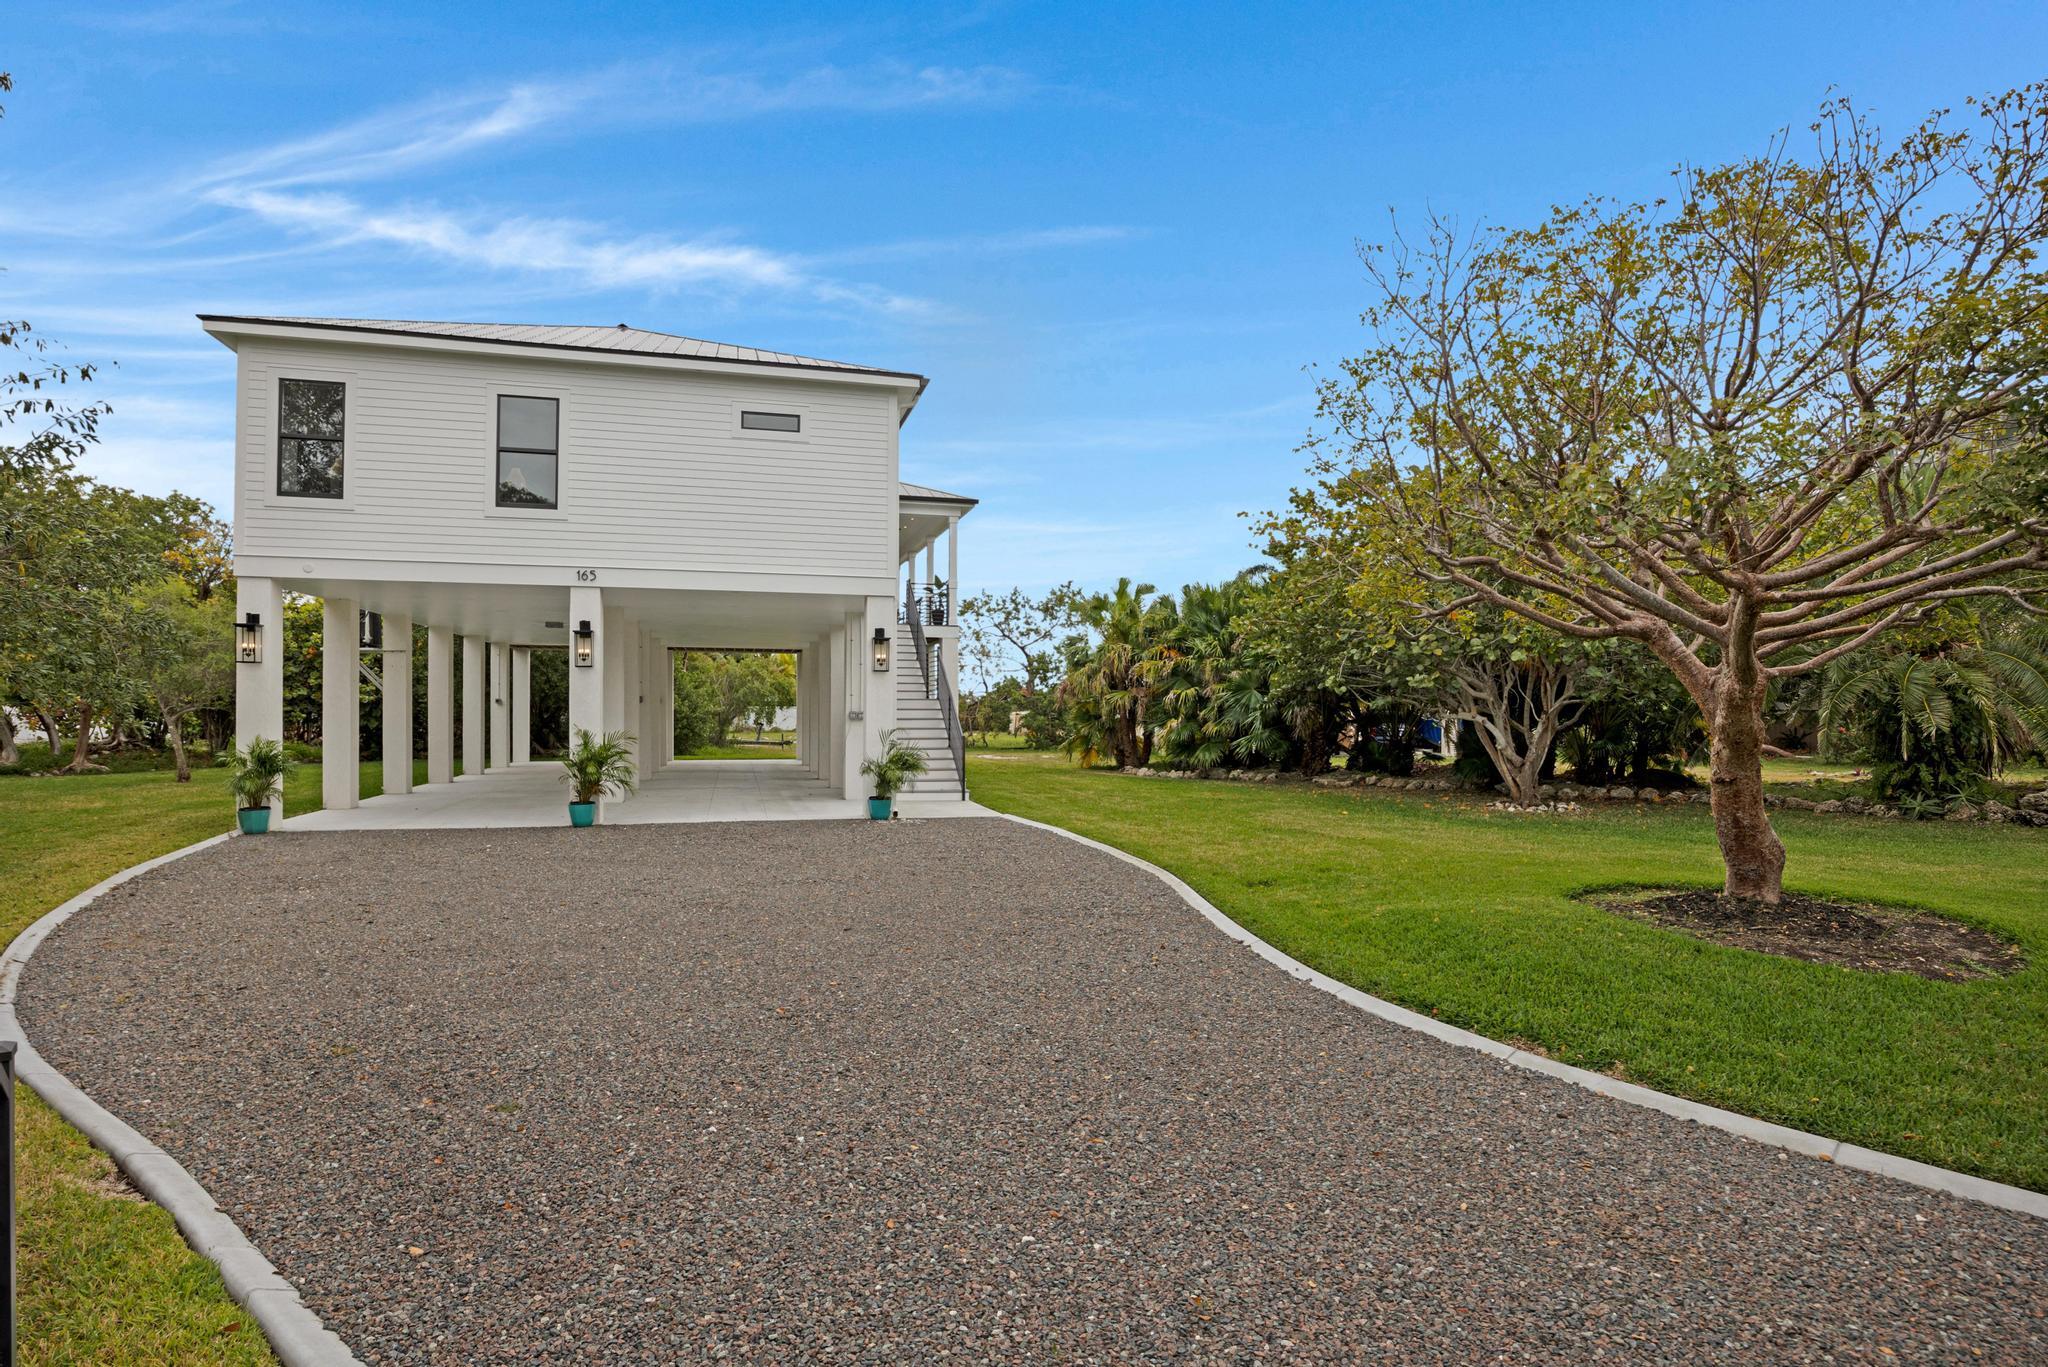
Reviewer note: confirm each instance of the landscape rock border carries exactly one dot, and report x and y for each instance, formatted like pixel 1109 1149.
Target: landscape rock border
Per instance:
pixel 2000 1194
pixel 295 1333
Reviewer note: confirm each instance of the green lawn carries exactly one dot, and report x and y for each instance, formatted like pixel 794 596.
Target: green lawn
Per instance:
pixel 996 740
pixel 739 748
pixel 1445 907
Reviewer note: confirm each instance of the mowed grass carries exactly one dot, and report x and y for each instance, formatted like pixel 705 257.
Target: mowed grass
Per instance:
pixel 1443 906
pixel 744 750
pixel 105 1278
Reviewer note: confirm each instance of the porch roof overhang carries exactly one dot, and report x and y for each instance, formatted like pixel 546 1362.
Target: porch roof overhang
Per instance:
pixel 924 514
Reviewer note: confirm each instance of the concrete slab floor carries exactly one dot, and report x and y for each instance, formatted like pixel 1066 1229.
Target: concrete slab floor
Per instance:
pixel 536 794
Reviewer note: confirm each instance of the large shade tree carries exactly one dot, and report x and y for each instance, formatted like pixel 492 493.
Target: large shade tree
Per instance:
pixel 1753 427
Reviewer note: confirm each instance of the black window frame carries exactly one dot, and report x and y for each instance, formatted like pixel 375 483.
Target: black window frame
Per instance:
pixel 796 418
pixel 500 449
pixel 283 436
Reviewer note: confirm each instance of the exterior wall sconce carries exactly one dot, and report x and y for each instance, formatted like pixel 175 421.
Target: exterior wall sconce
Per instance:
pixel 881 650
pixel 249 640
pixel 586 645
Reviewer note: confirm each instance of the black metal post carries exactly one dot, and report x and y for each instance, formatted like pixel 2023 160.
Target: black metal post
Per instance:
pixel 7 1315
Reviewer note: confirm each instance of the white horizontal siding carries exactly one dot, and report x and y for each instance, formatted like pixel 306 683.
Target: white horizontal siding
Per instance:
pixel 653 474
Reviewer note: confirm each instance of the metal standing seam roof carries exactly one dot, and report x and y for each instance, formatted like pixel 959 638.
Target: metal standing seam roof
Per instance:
pixel 905 489
pixel 618 338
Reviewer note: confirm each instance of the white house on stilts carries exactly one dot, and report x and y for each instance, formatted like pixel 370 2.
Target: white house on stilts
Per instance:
pixel 610 492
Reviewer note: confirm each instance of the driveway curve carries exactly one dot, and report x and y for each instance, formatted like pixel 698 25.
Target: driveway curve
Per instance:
pixel 945 1091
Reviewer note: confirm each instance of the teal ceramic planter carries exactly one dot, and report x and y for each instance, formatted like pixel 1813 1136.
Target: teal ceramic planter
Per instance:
pixel 583 814
pixel 253 820
pixel 881 808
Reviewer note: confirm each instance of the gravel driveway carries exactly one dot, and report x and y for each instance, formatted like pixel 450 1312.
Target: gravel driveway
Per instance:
pixel 953 1090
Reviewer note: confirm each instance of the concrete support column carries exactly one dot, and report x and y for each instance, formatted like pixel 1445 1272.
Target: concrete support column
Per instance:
pixel 874 690
pixel 475 713
pixel 587 682
pixel 440 704
pixel 665 682
pixel 636 699
pixel 612 643
pixel 522 704
pixel 501 705
pixel 259 684
pixel 341 704
pixel 397 702
pixel 808 713
pixel 633 690
pixel 818 721
pixel 803 707
pixel 837 700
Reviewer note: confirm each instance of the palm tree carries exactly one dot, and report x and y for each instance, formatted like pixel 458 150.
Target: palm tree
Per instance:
pixel 1109 688
pixel 1216 694
pixel 1932 720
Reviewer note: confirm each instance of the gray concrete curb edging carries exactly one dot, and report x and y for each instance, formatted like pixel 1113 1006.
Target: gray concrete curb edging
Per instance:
pixel 296 1334
pixel 1762 1131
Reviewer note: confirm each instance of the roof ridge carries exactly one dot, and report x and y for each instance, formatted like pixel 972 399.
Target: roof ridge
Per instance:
pixel 689 348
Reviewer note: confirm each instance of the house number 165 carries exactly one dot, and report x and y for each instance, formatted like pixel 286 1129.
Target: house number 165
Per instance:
pixel 586 576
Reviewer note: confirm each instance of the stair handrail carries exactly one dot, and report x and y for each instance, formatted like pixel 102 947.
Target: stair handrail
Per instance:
pixel 924 653
pixel 955 736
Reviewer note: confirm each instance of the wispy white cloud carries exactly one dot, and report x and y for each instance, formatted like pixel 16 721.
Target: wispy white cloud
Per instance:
pixel 399 140
pixel 293 184
pixel 649 93
pixel 979 244
pixel 558 247
pixel 705 96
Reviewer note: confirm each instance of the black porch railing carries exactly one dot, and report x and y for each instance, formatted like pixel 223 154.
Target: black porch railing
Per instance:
pixel 926 604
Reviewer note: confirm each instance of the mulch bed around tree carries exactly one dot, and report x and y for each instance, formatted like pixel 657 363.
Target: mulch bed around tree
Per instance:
pixel 1858 935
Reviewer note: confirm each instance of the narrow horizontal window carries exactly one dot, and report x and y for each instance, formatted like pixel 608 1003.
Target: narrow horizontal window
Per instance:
pixel 772 422
pixel 529 451
pixel 309 438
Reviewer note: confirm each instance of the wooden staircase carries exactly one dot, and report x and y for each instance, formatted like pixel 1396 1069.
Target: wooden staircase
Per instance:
pixel 921 722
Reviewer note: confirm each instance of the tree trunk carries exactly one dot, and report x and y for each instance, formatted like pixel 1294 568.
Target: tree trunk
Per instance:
pixel 1751 850
pixel 175 734
pixel 10 753
pixel 81 753
pixel 47 719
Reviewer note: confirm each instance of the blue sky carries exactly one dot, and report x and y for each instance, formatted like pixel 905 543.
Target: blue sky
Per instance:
pixel 1114 236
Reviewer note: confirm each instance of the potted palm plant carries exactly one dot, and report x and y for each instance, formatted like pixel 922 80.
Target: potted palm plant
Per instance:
pixel 895 766
pixel 597 767
pixel 256 774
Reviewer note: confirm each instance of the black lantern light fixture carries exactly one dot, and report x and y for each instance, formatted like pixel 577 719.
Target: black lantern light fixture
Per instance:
pixel 881 650
pixel 249 639
pixel 586 645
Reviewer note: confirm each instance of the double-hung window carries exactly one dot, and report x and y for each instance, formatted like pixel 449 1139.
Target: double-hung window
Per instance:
pixel 309 438
pixel 529 451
